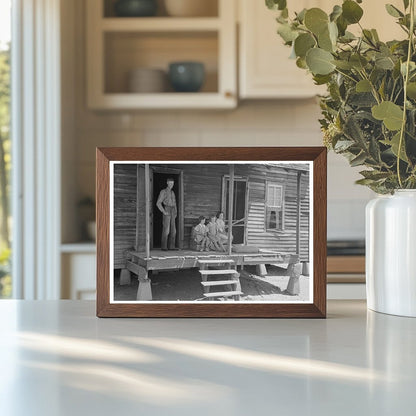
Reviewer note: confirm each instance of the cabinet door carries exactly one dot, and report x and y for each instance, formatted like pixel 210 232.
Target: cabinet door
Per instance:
pixel 265 68
pixel 266 71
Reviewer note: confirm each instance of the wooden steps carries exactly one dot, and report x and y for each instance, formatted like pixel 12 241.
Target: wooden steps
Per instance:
pixel 223 294
pixel 219 283
pixel 217 272
pixel 224 267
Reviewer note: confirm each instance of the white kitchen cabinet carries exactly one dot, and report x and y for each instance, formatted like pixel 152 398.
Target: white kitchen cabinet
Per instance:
pixel 78 263
pixel 118 45
pixel 265 69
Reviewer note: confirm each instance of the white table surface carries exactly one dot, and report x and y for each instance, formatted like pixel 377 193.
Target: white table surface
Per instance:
pixel 57 358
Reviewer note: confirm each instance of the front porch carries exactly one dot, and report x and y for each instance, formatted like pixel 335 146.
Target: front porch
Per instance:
pixel 141 265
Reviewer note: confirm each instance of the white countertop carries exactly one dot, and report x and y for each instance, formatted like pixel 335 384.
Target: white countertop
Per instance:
pixel 57 358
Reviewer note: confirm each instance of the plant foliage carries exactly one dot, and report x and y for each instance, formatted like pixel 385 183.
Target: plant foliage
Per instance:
pixel 369 112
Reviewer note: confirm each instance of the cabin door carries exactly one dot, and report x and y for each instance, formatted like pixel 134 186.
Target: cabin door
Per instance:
pixel 240 203
pixel 158 178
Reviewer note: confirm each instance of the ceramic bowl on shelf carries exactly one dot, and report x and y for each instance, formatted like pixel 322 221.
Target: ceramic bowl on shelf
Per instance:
pixel 135 8
pixel 191 8
pixel 186 76
pixel 147 81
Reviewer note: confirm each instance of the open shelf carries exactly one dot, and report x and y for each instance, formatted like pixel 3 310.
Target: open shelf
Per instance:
pixel 126 51
pixel 118 45
pixel 160 24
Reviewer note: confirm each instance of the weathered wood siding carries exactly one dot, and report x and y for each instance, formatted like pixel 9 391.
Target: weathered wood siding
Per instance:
pixel 284 241
pixel 125 200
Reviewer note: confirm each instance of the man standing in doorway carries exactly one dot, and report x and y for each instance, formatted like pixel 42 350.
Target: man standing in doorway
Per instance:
pixel 167 205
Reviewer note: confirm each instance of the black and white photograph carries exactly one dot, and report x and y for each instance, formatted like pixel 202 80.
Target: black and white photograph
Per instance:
pixel 211 232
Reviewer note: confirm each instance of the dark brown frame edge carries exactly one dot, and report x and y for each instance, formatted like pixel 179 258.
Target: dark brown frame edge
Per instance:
pixel 318 155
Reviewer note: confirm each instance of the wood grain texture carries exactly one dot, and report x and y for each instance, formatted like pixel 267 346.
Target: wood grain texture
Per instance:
pixel 197 310
pixel 346 264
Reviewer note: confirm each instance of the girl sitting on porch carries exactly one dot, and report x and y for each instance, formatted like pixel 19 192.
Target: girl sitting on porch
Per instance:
pixel 222 234
pixel 215 242
pixel 200 235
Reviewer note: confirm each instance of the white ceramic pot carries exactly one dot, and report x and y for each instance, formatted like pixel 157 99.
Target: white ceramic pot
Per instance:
pixel 391 253
pixel 191 8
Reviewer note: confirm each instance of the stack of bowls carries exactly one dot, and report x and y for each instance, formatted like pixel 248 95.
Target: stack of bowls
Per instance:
pixel 147 80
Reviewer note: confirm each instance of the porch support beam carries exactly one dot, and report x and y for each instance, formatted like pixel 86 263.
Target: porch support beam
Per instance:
pixel 230 209
pixel 147 213
pixel 298 214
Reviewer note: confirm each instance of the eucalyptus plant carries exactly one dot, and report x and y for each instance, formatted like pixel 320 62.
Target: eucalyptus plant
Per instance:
pixel 369 111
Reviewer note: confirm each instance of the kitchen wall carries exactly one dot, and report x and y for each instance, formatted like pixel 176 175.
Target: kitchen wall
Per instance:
pixel 253 123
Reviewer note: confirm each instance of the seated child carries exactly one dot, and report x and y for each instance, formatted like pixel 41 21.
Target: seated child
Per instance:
pixel 222 233
pixel 200 235
pixel 213 234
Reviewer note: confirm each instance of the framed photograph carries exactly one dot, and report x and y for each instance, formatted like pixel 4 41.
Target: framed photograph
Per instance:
pixel 211 232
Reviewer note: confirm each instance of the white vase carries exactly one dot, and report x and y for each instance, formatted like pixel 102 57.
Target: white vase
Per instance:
pixel 391 253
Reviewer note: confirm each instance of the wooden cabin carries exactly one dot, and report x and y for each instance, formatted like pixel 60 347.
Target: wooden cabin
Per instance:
pixel 269 205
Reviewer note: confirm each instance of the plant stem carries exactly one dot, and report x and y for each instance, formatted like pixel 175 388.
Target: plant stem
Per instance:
pixel 405 81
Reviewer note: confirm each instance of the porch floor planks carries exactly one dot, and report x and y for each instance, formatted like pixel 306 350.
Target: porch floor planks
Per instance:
pixel 184 259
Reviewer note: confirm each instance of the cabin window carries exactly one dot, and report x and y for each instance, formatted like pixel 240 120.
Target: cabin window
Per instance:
pixel 274 207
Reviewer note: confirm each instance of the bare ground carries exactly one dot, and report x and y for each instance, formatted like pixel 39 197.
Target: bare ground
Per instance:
pixel 185 285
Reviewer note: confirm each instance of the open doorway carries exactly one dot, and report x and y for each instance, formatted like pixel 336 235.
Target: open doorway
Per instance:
pixel 159 183
pixel 240 203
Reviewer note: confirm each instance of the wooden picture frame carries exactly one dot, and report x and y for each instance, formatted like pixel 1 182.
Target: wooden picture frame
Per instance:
pixel 281 159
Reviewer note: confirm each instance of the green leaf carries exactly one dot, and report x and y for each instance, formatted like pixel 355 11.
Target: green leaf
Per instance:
pixel 301 63
pixel 276 4
pixel 336 12
pixel 406 4
pixel 358 160
pixel 316 20
pixel 358 61
pixel 303 43
pixel 411 90
pixel 347 37
pixel 301 15
pixel 394 145
pixel 363 86
pixel 388 112
pixel 375 35
pixel 321 79
pixel 319 61
pixel 393 11
pixel 287 33
pixel 344 65
pixel 343 145
pixel 384 62
pixel 374 174
pixel 325 42
pixel 342 25
pixel 351 11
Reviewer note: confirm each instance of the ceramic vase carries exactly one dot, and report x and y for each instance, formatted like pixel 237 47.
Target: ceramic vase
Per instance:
pixel 391 253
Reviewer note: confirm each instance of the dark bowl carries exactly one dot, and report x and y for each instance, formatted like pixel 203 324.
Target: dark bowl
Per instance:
pixel 186 76
pixel 135 8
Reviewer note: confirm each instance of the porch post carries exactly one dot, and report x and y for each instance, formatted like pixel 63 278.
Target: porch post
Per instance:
pixel 230 208
pixel 147 213
pixel 298 215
